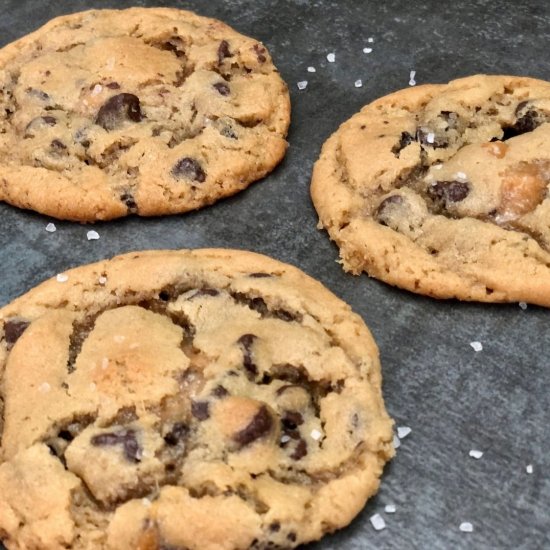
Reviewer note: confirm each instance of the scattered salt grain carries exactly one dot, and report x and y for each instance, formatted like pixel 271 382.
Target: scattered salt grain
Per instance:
pixel 44 387
pixel 477 346
pixel 331 57
pixel 529 468
pixel 370 39
pixel 104 363
pixel 50 228
pixel 466 527
pixel 523 305
pixel 403 431
pixel 302 85
pixel 92 235
pixel 311 70
pixel 461 176
pixel 285 438
pixel 97 89
pixel 412 81
pixel 430 138
pixel 118 338
pixel 62 278
pixel 316 434
pixel 378 522
pixel 358 83
pixel 390 508
pixel 476 454
pixel 102 280
pixel 367 50
pixel 396 442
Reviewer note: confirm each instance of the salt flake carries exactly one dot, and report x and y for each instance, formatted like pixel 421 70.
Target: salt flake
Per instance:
pixel 311 70
pixel 412 81
pixel 523 305
pixel 403 431
pixel 390 508
pixel 477 346
pixel 370 39
pixel 529 468
pixel 50 228
pixel 430 138
pixel 331 57
pixel 302 85
pixel 92 235
pixel 285 438
pixel 62 278
pixel 474 453
pixel 396 442
pixel 358 83
pixel 102 280
pixel 461 176
pixel 97 89
pixel 367 50
pixel 316 434
pixel 378 522
pixel 466 527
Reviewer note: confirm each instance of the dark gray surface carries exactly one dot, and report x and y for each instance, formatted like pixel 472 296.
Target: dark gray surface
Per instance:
pixel 453 398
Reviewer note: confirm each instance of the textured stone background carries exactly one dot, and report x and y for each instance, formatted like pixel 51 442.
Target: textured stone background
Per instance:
pixel 454 399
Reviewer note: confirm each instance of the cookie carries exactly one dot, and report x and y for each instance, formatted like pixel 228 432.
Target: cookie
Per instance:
pixel 443 189
pixel 147 110
pixel 186 399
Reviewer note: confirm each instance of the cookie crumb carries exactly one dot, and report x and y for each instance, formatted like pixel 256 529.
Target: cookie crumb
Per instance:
pixel 403 431
pixel 62 278
pixel 378 522
pixel 370 39
pixel 316 434
pixel 358 83
pixel 302 85
pixel 523 305
pixel 311 70
pixel 529 468
pixel 44 387
pixel 367 50
pixel 390 509
pixel 474 453
pixel 331 57
pixel 466 527
pixel 477 346
pixel 412 81
pixel 50 228
pixel 92 235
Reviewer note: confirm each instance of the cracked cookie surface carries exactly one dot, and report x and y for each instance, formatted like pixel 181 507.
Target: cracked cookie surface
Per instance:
pixel 146 110
pixel 444 189
pixel 206 399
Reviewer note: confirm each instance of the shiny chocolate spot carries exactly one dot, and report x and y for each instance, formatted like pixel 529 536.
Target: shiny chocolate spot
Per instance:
pixel 13 329
pixel 292 419
pixel 300 451
pixel 259 426
pixel 448 192
pixel 260 53
pixel 274 527
pixel 126 438
pixel 200 410
pixel 246 341
pixel 405 139
pixel 222 88
pixel 117 110
pixel 223 51
pixel 188 168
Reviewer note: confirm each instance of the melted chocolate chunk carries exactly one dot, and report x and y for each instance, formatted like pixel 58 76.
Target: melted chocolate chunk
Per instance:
pixel 223 51
pixel 113 85
pixel 275 527
pixel 438 142
pixel 188 168
pixel 289 373
pixel 118 109
pixel 381 213
pixel 292 419
pixel 200 410
pixel 447 192
pixel 57 145
pixel 205 292
pixel 246 341
pixel 259 426
pixel 291 536
pixel 222 88
pixel 300 451
pixel 126 438
pixel 177 434
pixel 260 275
pixel 528 119
pixel 13 329
pixel 260 53
pixel 128 199
pixel 284 315
pixel 220 392
pixel 175 45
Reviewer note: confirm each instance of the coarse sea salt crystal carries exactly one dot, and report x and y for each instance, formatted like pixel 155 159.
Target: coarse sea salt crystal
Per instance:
pixel 529 468
pixel 367 50
pixel 523 305
pixel 102 280
pixel 412 81
pixel 285 438
pixel 390 509
pixel 61 277
pixel 44 387
pixel 302 85
pixel 50 228
pixel 92 235
pixel 466 527
pixel 477 346
pixel 378 522
pixel 370 39
pixel 311 70
pixel 396 442
pixel 474 453
pixel 403 431
pixel 358 83
pixel 430 138
pixel 331 57
pixel 97 89
pixel 461 176
pixel 316 434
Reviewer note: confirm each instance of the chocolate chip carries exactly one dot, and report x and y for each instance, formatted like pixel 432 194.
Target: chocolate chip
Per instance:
pixel 274 527
pixel 200 410
pixel 438 142
pixel 223 51
pixel 126 438
pixel 128 199
pixel 222 88
pixel 220 391
pixel 286 387
pixel 447 192
pixel 118 109
pixel 381 213
pixel 246 341
pixel 228 132
pixel 300 451
pixel 289 373
pixel 258 426
pixel 174 44
pixel 406 139
pixel 520 106
pixel 205 292
pixel 292 419
pixel 57 145
pixel 260 275
pixel 291 536
pixel 13 329
pixel 40 121
pixel 527 122
pixel 38 93
pixel 113 85
pixel 284 315
pixel 188 168
pixel 177 434
pixel 260 51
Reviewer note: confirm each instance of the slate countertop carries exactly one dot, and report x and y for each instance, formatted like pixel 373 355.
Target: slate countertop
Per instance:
pixel 454 399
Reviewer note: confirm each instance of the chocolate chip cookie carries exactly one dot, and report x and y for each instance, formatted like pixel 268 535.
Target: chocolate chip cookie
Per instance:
pixel 185 399
pixel 444 189
pixel 146 110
